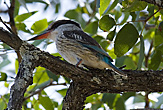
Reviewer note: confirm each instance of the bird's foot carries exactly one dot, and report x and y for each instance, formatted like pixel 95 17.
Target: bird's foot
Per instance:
pixel 91 68
pixel 79 62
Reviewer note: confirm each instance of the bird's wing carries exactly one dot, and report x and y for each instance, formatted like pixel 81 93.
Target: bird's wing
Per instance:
pixel 86 40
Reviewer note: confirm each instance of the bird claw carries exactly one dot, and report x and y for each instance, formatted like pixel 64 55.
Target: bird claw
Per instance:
pixel 78 63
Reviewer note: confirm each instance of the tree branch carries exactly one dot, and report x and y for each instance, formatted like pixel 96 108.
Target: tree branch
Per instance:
pixel 11 15
pixel 159 3
pixel 23 79
pixel 10 39
pixel 40 89
pixel 12 24
pixel 85 82
pixel 76 95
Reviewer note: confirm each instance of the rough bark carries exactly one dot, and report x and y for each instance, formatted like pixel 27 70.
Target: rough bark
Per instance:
pixel 23 79
pixel 10 39
pixel 84 82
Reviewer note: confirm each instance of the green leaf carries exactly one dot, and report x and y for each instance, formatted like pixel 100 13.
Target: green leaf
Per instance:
pixel 52 75
pixel 35 104
pixel 141 56
pixel 113 5
pixel 110 99
pixel 46 102
pixel 40 1
pixel 57 55
pixel 5 46
pixel 160 27
pixel 138 98
pixel 73 14
pixel 7 96
pixel 57 7
pixel 125 39
pixel 39 26
pixel 134 5
pixel 38 42
pixel 111 53
pixel 160 47
pixel 111 35
pixel 62 92
pixel 133 14
pixel 55 104
pixel 158 39
pixel 149 34
pixel 4 63
pixel 40 86
pixel 22 17
pixel 93 98
pixel 16 66
pixel 23 3
pixel 40 75
pixel 155 60
pixel 91 27
pixel 120 104
pixel 98 38
pixel 60 106
pixel 126 16
pixel 96 106
pixel 17 8
pixel 67 80
pixel 3 76
pixel 6 84
pixel 106 23
pixel 127 95
pixel 22 26
pixel 3 105
pixel 103 5
pixel 151 9
pixel 125 60
pixel 160 102
pixel 104 44
pixel 117 14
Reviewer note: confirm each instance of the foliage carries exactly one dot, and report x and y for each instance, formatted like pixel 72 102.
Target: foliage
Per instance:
pixel 134 28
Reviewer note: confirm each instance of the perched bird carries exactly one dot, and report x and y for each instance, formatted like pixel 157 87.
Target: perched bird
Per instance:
pixel 77 47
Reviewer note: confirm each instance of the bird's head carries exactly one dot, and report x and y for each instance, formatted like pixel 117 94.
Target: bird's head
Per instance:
pixel 56 28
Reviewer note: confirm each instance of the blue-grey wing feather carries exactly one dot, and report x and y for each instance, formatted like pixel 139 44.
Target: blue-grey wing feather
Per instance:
pixel 86 40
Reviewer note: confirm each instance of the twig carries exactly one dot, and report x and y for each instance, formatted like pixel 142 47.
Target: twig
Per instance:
pixel 12 24
pixel 93 13
pixel 147 100
pixel 38 91
pixel 141 34
pixel 148 54
pixel 6 4
pixel 37 81
pixel 131 21
pixel 145 19
pixel 11 16
pixel 153 15
pixel 3 11
pixel 7 26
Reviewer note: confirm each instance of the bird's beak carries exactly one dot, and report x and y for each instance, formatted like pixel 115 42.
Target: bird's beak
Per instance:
pixel 41 36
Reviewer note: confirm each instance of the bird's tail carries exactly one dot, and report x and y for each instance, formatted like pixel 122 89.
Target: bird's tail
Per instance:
pixel 113 67
pixel 117 70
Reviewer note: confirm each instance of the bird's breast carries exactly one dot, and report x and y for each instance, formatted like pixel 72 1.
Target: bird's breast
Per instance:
pixel 72 51
pixel 68 49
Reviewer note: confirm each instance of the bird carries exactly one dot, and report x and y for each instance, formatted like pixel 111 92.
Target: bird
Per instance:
pixel 77 47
